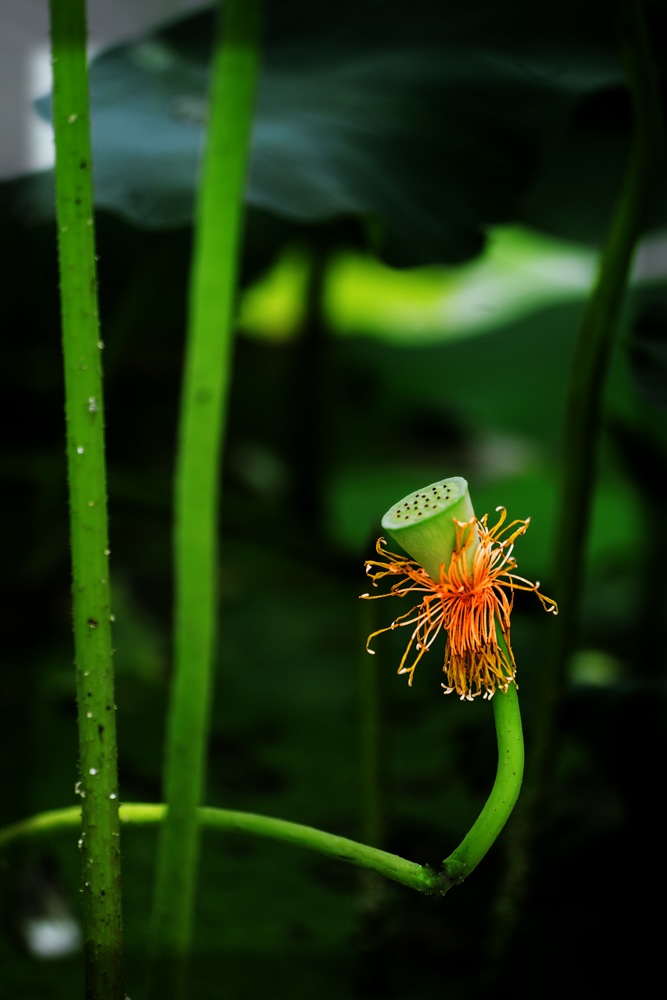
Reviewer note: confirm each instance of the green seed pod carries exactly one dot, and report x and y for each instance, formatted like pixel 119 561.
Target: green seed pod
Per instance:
pixel 423 522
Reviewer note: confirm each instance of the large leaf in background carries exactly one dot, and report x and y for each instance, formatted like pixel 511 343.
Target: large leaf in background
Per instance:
pixel 429 121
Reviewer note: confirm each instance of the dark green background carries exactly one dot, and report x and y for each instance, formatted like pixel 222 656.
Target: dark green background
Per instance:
pixel 407 130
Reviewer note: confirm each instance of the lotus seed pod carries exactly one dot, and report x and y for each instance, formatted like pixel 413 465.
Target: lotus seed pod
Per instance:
pixel 423 522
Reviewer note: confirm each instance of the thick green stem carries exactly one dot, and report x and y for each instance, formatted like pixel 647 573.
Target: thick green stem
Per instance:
pixel 219 216
pixel 98 781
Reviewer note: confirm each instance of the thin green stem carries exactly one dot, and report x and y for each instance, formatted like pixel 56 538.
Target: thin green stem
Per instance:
pixel 408 873
pixel 504 794
pixel 455 868
pixel 98 784
pixel 581 433
pixel 460 863
pixel 219 215
pixel 595 344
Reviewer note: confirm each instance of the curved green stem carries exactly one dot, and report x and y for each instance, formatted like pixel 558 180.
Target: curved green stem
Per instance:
pixel 455 868
pixel 98 785
pixel 391 866
pixel 504 794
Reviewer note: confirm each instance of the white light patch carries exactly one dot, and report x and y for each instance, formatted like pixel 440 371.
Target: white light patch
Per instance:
pixel 52 937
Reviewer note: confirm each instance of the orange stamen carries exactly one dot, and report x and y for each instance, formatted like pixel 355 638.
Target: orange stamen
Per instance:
pixel 472 601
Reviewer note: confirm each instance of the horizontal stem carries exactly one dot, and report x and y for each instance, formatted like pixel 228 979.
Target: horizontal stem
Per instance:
pixel 391 866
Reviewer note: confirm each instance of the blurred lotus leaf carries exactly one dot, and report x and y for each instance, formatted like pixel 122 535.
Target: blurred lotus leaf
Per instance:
pixel 427 123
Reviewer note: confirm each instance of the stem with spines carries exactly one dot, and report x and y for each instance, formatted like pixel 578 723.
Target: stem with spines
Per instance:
pixel 84 409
